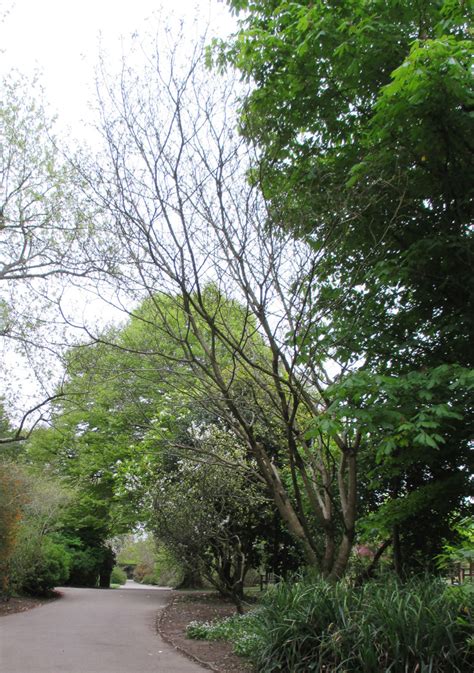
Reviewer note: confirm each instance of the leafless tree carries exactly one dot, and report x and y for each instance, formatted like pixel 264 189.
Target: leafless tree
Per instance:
pixel 173 188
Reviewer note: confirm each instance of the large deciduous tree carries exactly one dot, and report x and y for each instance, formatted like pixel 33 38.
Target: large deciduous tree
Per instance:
pixel 197 244
pixel 362 113
pixel 92 428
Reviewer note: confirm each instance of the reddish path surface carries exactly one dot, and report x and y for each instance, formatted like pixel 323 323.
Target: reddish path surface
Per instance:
pixel 91 631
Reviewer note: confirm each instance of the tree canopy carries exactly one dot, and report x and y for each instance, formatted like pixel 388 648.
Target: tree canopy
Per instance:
pixel 362 113
pixel 297 296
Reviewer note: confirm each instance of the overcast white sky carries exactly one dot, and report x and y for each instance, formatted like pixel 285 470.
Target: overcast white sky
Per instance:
pixel 60 40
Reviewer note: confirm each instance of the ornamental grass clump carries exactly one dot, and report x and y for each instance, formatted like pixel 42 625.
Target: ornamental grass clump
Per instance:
pixel 421 626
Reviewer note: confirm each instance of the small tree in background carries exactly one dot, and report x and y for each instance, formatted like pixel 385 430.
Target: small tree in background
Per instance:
pixel 209 510
pixel 12 498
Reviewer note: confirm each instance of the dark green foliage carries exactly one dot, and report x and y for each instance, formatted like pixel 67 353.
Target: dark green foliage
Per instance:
pixel 313 625
pixel 44 568
pixel 86 562
pixel 362 112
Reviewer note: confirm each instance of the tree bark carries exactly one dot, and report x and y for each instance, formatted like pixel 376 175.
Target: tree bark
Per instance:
pixel 397 552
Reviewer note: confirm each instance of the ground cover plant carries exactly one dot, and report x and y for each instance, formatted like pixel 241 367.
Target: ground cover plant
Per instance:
pixel 422 625
pixel 244 631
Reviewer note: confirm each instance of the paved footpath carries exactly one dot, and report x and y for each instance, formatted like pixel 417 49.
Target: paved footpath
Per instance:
pixel 91 631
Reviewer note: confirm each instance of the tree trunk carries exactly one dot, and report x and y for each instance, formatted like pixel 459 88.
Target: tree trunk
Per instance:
pixel 105 570
pixel 191 579
pixel 283 503
pixel 397 552
pixel 329 551
pixel 345 548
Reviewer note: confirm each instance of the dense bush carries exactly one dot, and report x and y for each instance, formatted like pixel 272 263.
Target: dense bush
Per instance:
pixel 143 570
pixel 314 626
pixel 422 625
pixel 41 566
pixel 85 564
pixel 118 576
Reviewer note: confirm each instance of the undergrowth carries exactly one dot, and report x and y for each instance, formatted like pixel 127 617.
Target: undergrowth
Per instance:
pixel 244 631
pixel 420 626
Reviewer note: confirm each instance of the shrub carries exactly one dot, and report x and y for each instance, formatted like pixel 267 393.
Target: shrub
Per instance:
pixel 41 567
pixel 150 579
pixel 142 570
pixel 118 576
pixel 85 564
pixel 419 626
pixel 312 626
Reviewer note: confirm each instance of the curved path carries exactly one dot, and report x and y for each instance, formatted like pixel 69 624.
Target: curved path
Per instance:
pixel 91 631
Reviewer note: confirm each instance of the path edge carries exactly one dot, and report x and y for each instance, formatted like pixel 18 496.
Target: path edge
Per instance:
pixel 161 616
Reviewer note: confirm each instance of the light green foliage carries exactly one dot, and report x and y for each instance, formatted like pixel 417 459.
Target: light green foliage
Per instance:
pixel 154 564
pixel 86 521
pixel 40 560
pixel 132 550
pixel 462 551
pixel 310 625
pixel 118 576
pixel 94 425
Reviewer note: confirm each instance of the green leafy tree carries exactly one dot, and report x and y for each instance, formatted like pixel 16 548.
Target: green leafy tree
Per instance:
pixel 208 507
pixel 84 447
pixel 362 113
